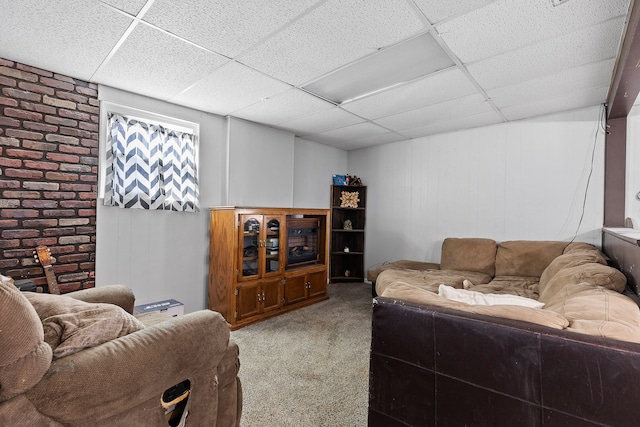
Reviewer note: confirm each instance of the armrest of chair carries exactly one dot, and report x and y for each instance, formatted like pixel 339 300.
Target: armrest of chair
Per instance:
pixel 119 295
pixel 114 377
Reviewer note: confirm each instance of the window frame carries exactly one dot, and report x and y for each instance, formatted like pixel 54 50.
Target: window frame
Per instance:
pixel 169 122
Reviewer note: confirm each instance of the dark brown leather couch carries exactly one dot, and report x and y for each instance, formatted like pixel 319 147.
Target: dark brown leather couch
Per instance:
pixel 436 366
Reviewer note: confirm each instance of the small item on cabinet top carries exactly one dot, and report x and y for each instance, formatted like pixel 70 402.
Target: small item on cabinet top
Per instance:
pixel 339 180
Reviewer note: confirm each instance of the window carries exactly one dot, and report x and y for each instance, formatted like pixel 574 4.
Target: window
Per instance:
pixel 150 166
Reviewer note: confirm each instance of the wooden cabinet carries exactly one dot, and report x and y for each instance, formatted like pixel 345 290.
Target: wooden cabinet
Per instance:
pixel 265 261
pixel 348 218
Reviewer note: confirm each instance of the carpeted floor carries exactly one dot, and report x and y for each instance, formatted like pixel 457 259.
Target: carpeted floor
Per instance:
pixel 309 367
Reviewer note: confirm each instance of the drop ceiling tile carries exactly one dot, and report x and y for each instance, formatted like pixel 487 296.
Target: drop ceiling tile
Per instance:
pixel 438 10
pixel 226 27
pixel 321 122
pixel 505 25
pixel 476 120
pixel 447 110
pixel 229 88
pixel 588 76
pixel 348 133
pixel 566 102
pixel 130 6
pixel 70 37
pixel 334 34
pixel 156 64
pixel 282 108
pixel 590 44
pixel 437 87
pixel 384 138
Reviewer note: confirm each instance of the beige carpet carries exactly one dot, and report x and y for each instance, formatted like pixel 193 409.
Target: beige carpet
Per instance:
pixel 309 367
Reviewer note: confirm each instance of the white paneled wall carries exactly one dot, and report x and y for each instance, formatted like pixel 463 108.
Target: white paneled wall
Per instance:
pixel 162 255
pixel 518 180
pixel 314 167
pixel 632 185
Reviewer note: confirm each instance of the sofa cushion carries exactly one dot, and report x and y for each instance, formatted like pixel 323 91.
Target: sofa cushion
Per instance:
pixel 479 298
pixel 557 288
pixel 526 258
pixel 514 285
pixel 469 254
pixel 595 310
pixel 406 292
pixel 24 356
pixel 573 258
pixel 72 325
pixel 403 264
pixel 430 279
pixel 579 247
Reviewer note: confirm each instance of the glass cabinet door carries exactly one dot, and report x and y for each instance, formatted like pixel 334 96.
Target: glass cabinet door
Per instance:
pixel 273 256
pixel 249 246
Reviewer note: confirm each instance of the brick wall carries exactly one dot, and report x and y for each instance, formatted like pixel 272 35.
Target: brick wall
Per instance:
pixel 48 174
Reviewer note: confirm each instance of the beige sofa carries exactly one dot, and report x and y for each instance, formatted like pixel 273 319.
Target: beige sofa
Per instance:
pixel 82 359
pixel 438 361
pixel 580 292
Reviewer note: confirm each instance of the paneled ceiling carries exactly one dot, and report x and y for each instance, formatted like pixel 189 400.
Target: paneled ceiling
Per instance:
pixel 506 59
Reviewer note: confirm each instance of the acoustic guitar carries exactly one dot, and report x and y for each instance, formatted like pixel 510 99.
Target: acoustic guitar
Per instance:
pixel 43 255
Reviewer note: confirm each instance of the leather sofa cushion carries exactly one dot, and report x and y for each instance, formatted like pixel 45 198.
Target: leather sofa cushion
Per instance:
pixel 430 279
pixel 526 258
pixel 595 310
pixel 556 288
pixel 407 292
pixel 469 254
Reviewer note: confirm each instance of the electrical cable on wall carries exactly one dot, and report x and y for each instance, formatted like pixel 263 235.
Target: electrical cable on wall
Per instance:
pixel 602 125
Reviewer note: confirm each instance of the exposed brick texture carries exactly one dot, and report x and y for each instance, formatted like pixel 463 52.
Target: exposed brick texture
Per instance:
pixel 48 174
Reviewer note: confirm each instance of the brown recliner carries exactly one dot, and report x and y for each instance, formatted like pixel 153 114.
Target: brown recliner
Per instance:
pixel 59 369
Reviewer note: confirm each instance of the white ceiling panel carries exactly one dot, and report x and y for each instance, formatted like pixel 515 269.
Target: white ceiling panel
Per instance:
pixel 152 63
pixel 321 122
pixel 384 138
pixel 229 88
pixel 438 87
pixel 332 35
pixel 71 37
pixel 589 44
pixel 360 130
pixel 226 27
pixel 132 7
pixel 505 25
pixel 448 110
pixel 436 11
pixel 569 101
pixel 282 108
pixel 515 59
pixel 476 120
pixel 552 86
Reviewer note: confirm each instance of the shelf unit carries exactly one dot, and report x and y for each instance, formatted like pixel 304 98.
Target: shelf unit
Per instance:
pixel 347 265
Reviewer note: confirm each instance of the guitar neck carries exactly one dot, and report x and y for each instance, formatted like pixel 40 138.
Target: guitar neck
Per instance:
pixel 51 280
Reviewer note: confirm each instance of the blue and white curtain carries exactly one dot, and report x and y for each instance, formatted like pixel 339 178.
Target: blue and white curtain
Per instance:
pixel 150 166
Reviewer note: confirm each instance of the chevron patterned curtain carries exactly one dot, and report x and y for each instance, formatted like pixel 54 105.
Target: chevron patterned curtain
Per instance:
pixel 150 166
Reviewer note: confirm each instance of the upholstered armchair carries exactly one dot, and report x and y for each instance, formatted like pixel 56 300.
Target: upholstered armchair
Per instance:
pixel 82 359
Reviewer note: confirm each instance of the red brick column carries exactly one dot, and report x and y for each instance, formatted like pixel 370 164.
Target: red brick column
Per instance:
pixel 48 174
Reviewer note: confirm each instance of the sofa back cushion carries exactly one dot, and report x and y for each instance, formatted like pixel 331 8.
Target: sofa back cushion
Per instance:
pixel 525 257
pixel 469 254
pixel 557 288
pixel 570 259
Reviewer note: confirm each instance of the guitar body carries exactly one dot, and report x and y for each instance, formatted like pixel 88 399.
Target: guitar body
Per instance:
pixel 43 254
